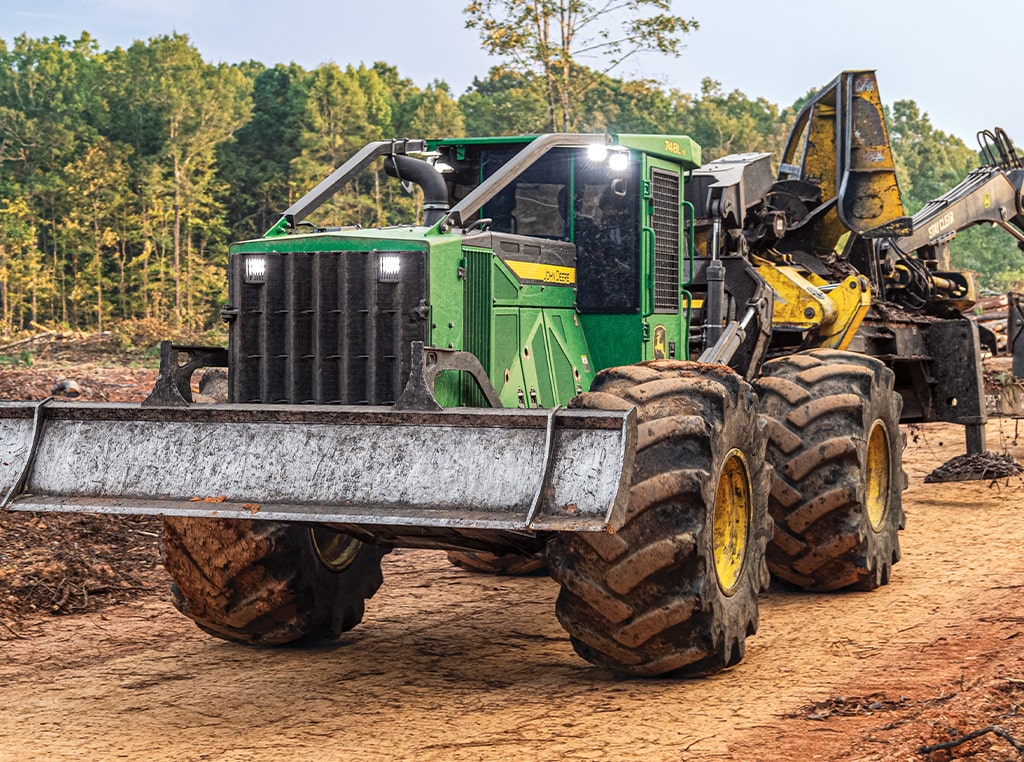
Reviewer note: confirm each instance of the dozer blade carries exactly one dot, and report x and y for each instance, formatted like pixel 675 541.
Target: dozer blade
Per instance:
pixel 563 470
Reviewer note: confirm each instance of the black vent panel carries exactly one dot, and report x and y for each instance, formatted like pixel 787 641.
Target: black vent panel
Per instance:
pixel 325 327
pixel 665 221
pixel 477 306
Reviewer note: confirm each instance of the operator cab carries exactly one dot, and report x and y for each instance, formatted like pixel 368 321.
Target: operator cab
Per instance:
pixel 571 195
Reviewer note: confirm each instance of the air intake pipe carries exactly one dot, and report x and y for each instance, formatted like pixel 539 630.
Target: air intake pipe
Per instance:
pixel 435 192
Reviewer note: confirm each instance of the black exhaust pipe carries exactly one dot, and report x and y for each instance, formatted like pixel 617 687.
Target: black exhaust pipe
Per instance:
pixel 435 192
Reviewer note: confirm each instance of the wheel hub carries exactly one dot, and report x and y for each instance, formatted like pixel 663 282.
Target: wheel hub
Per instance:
pixel 879 469
pixel 335 550
pixel 733 512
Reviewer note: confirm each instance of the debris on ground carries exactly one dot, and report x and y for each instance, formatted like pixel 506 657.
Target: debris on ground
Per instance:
pixel 70 563
pixel 61 564
pixel 994 729
pixel 848 706
pixel 66 387
pixel 975 467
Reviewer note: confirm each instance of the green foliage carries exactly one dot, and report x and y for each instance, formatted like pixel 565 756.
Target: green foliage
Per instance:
pixel 256 167
pixel 928 161
pixel 345 109
pixel 507 102
pixel 93 205
pixel 23 358
pixel 125 173
pixel 24 279
pixel 548 38
pixel 724 123
pixel 624 106
pixel 435 113
pixel 992 254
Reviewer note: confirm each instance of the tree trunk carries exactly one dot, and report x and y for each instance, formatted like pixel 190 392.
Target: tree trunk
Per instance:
pixel 177 242
pixel 58 276
pixel 98 258
pixel 544 36
pixel 122 259
pixel 99 308
pixel 566 29
pixel 3 305
pixel 189 279
pixel 376 198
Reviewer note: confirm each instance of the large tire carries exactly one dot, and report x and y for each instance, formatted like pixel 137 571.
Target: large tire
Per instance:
pixel 507 564
pixel 268 583
pixel 674 591
pixel 836 446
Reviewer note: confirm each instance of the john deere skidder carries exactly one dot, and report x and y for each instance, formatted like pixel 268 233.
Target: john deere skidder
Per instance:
pixel 591 347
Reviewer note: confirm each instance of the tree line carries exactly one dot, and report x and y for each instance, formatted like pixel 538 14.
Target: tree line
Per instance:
pixel 125 173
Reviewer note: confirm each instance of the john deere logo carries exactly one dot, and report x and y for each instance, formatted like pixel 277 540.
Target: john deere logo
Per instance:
pixel 660 343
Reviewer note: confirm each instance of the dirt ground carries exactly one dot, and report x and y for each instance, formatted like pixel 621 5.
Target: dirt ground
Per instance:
pixel 96 664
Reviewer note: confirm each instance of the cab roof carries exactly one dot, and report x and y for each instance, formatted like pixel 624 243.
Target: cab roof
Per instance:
pixel 678 148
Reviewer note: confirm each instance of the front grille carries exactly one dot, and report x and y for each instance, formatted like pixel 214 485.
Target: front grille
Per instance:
pixel 665 221
pixel 477 307
pixel 325 327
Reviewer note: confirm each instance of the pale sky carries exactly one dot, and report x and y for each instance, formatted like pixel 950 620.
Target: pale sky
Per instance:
pixel 957 62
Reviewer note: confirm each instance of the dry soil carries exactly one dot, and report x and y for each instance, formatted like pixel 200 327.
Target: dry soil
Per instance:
pixel 448 665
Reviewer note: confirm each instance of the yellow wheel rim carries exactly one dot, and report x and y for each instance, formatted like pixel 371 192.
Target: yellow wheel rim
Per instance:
pixel 336 551
pixel 733 514
pixel 879 470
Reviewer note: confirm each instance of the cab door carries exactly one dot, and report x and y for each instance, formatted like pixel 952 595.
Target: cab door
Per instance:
pixel 663 261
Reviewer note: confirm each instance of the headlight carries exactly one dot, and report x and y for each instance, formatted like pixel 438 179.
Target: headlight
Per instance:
pixel 618 161
pixel 597 152
pixel 256 269
pixel 389 268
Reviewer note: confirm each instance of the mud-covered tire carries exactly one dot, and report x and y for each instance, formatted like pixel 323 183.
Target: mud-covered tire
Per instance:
pixel 836 447
pixel 267 583
pixel 649 599
pixel 507 564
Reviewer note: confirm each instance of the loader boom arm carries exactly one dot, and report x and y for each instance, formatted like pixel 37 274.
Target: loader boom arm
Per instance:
pixel 989 194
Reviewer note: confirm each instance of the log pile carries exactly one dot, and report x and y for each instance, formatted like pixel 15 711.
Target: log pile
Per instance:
pixel 991 313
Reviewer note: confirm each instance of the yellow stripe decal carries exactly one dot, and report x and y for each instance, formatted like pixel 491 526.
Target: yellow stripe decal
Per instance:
pixel 563 276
